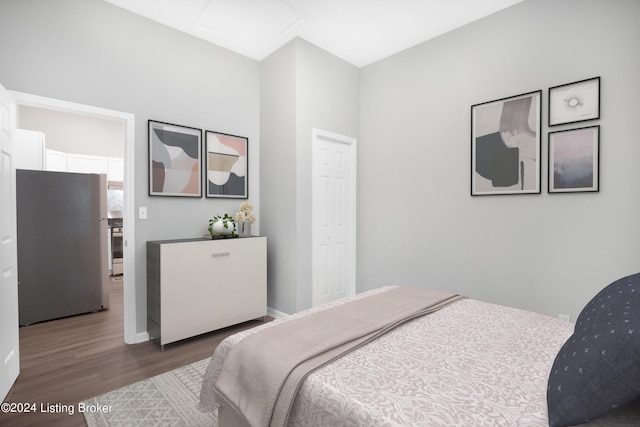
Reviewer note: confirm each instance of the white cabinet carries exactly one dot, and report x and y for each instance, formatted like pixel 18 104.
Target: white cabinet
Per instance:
pixel 56 161
pixel 29 149
pixel 82 163
pixel 31 153
pixel 200 285
pixel 59 161
pixel 115 171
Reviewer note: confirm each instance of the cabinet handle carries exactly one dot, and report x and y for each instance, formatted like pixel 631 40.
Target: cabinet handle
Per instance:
pixel 219 254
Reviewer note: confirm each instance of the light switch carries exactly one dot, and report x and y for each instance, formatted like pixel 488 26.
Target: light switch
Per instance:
pixel 142 212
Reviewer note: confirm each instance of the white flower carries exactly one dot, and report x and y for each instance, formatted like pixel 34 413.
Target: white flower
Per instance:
pixel 245 213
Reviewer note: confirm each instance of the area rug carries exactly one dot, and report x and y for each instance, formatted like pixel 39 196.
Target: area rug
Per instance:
pixel 168 399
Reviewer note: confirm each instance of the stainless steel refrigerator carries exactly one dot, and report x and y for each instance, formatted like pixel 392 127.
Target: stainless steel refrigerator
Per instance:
pixel 62 244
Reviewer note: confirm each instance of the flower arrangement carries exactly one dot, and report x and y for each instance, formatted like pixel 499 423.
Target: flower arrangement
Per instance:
pixel 222 226
pixel 245 217
pixel 245 213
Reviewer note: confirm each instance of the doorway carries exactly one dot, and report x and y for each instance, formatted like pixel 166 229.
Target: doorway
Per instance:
pixel 23 99
pixel 334 216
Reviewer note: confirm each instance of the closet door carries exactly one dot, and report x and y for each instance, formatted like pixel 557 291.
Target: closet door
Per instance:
pixel 333 217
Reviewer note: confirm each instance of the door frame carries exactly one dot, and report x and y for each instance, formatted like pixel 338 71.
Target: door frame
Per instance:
pixel 129 284
pixel 317 135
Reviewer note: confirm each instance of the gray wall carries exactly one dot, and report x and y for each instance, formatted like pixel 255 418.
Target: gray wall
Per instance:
pixel 328 98
pixel 302 87
pixel 548 253
pixel 91 52
pixel 278 182
pixel 410 113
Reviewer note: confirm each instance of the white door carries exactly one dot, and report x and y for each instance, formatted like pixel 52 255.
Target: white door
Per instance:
pixel 334 213
pixel 9 349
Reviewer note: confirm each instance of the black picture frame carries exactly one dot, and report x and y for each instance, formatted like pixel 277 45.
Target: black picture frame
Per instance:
pixel 175 160
pixel 574 102
pixel 574 160
pixel 226 165
pixel 505 145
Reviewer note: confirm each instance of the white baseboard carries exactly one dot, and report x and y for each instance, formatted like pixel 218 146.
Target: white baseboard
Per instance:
pixel 275 313
pixel 142 337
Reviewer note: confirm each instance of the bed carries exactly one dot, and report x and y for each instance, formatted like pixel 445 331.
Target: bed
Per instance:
pixel 468 363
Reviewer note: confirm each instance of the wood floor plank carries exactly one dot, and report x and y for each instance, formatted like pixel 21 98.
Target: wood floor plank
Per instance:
pixel 70 360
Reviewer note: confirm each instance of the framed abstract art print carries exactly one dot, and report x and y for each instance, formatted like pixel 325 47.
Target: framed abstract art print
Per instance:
pixel 574 158
pixel 226 172
pixel 505 145
pixel 175 160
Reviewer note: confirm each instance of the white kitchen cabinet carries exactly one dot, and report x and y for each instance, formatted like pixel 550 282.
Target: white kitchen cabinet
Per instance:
pixel 196 286
pixel 115 169
pixel 59 161
pixel 82 163
pixel 29 149
pixel 55 161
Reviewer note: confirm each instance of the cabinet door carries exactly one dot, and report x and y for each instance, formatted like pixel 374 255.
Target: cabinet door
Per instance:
pixel 55 161
pixel 116 169
pixel 29 150
pixel 190 289
pixel 243 281
pixel 82 163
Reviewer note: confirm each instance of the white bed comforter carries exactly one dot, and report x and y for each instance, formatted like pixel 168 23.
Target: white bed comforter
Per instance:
pixel 469 364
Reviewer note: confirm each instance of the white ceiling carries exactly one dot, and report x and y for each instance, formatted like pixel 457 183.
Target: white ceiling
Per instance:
pixel 358 31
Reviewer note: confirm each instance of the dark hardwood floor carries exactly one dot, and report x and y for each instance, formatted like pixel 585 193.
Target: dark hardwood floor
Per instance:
pixel 70 360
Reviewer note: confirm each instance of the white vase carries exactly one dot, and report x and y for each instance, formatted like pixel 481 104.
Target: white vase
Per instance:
pixel 219 228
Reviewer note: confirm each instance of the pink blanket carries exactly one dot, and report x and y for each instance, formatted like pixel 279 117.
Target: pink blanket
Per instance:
pixel 261 375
